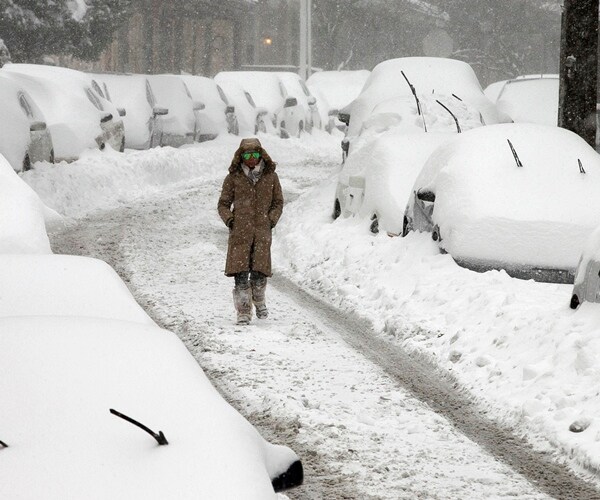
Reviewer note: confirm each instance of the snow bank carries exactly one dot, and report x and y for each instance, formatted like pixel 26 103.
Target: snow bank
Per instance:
pixel 22 215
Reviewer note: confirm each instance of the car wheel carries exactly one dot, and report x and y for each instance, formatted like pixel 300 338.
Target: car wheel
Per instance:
pixel 374 227
pixel 435 234
pixel 52 157
pixel 283 132
pixel 574 302
pixel 26 163
pixel 300 128
pixel 122 148
pixel 337 209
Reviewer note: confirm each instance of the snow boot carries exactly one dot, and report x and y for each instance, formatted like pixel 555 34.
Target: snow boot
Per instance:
pixel 259 288
pixel 242 300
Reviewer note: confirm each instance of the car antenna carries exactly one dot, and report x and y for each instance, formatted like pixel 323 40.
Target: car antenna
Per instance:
pixel 581 169
pixel 451 114
pixel 160 437
pixel 414 93
pixel 514 152
pixel 454 95
pixel 3 444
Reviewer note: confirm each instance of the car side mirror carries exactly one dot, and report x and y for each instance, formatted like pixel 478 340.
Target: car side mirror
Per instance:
pixel 426 195
pixel 290 102
pixel 312 100
pixel 106 117
pixel 229 109
pixel 156 111
pixel 122 111
pixel 199 106
pixel 37 126
pixel 344 118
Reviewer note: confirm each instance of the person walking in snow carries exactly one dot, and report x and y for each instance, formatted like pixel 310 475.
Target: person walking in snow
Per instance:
pixel 250 205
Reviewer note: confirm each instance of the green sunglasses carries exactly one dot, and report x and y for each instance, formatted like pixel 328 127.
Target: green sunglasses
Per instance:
pixel 247 156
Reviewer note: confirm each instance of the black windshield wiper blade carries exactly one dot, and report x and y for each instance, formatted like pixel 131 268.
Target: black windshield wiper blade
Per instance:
pixel 515 155
pixel 3 444
pixel 452 115
pixel 414 93
pixel 160 437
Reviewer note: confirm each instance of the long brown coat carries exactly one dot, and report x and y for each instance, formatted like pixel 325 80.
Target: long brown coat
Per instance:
pixel 254 210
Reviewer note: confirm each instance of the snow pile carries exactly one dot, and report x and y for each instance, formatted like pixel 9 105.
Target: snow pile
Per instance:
pixel 23 216
pixel 516 345
pixel 106 179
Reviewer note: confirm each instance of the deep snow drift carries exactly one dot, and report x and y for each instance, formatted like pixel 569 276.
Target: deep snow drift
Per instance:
pixel 516 345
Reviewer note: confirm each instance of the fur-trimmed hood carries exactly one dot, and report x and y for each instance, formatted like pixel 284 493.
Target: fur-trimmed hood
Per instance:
pixel 251 144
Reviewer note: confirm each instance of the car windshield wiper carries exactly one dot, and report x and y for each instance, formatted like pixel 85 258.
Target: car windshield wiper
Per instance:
pixel 160 437
pixel 452 115
pixel 581 169
pixel 414 93
pixel 515 155
pixel 3 444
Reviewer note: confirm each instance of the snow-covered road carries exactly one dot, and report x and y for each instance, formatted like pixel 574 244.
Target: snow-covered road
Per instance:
pixel 312 377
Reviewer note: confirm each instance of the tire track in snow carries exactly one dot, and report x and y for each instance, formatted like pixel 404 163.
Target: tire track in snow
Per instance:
pixel 137 232
pixel 436 388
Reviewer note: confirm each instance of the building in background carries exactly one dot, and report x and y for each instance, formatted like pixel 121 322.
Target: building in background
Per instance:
pixel 193 36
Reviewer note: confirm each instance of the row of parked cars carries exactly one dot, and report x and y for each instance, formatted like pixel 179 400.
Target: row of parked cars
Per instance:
pixel 54 113
pixel 488 175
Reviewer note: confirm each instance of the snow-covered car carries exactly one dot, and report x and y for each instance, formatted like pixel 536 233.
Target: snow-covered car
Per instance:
pixel 397 81
pixel 529 98
pixel 327 115
pixel 24 216
pixel 144 118
pixel 376 181
pixel 284 113
pixel 218 116
pixel 25 138
pixel 77 116
pixel 296 87
pixel 115 406
pixel 519 197
pixel 181 124
pixel 587 278
pixel 339 88
pixel 251 119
